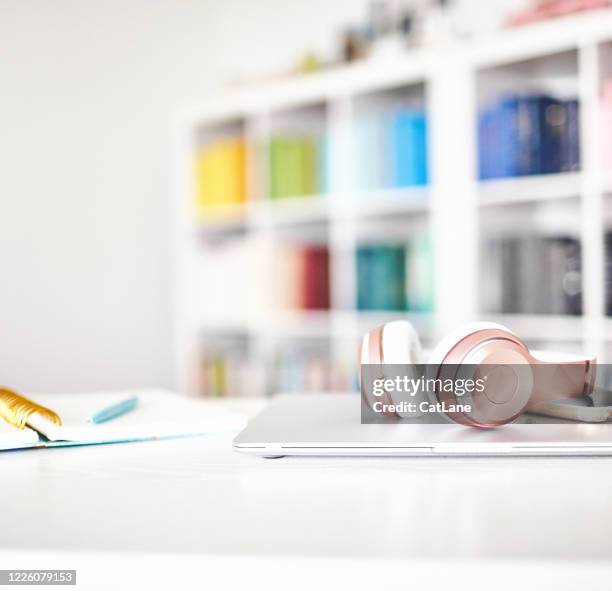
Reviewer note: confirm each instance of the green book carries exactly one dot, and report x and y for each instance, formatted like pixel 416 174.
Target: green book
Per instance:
pixel 308 172
pixel 293 166
pixel 275 155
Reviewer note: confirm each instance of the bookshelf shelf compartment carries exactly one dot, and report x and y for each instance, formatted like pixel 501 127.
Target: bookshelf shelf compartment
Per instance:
pixel 299 324
pixel 291 211
pixel 218 230
pixel 550 187
pixel 390 202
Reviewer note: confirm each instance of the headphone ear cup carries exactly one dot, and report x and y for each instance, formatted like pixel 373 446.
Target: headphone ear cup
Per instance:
pixel 490 350
pixel 372 355
pixel 401 344
pixel 443 348
pixel 395 343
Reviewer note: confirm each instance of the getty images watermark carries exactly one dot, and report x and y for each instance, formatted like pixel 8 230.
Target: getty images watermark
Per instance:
pixel 37 577
pixel 486 395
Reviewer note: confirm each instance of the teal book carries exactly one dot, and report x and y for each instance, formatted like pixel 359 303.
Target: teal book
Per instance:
pixel 364 300
pixel 381 277
pixel 394 261
pixel 420 275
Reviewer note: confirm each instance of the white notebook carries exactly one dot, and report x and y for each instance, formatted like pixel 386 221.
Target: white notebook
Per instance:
pixel 12 438
pixel 158 415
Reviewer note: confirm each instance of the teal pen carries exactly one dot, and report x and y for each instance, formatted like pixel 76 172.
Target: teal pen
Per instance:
pixel 114 410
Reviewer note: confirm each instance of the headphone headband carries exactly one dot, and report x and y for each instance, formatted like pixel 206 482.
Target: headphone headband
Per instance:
pixel 486 345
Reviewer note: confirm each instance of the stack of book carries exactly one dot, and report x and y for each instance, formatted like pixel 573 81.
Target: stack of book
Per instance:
pixel 220 177
pixel 532 275
pixel 304 273
pixel 298 165
pixel 390 150
pixel 396 276
pixel 528 134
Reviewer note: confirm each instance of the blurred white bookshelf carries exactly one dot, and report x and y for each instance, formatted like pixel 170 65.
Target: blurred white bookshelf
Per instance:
pixel 455 208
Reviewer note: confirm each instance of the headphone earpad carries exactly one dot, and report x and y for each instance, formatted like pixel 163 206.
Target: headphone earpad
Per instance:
pixel 459 355
pixel 401 344
pixel 395 343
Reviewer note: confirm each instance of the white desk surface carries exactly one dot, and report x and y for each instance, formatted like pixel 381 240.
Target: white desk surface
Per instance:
pixel 197 498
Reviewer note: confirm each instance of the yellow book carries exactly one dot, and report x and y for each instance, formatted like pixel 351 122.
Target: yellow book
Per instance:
pixel 221 177
pixel 235 152
pixel 205 168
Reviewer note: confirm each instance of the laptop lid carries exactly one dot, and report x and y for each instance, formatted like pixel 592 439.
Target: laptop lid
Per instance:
pixel 330 424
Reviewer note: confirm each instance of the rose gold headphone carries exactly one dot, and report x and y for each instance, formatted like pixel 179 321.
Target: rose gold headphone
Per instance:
pixel 489 351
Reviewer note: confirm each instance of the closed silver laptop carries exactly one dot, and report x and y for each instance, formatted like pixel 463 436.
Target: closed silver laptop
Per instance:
pixel 330 424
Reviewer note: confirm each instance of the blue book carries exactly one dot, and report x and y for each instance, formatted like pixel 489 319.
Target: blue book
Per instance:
pixel 484 143
pixel 539 135
pixel 551 121
pixel 508 146
pixel 494 131
pixel 527 135
pixel 408 149
pixel 570 137
pixel 421 151
pixel 530 135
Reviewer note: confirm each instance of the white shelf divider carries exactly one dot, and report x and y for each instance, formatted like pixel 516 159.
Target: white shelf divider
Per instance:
pixel 548 187
pixel 592 231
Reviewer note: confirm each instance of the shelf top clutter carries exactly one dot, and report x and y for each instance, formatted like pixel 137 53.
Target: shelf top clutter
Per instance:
pixel 413 67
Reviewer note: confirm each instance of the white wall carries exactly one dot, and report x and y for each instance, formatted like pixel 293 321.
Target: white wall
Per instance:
pixel 87 90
